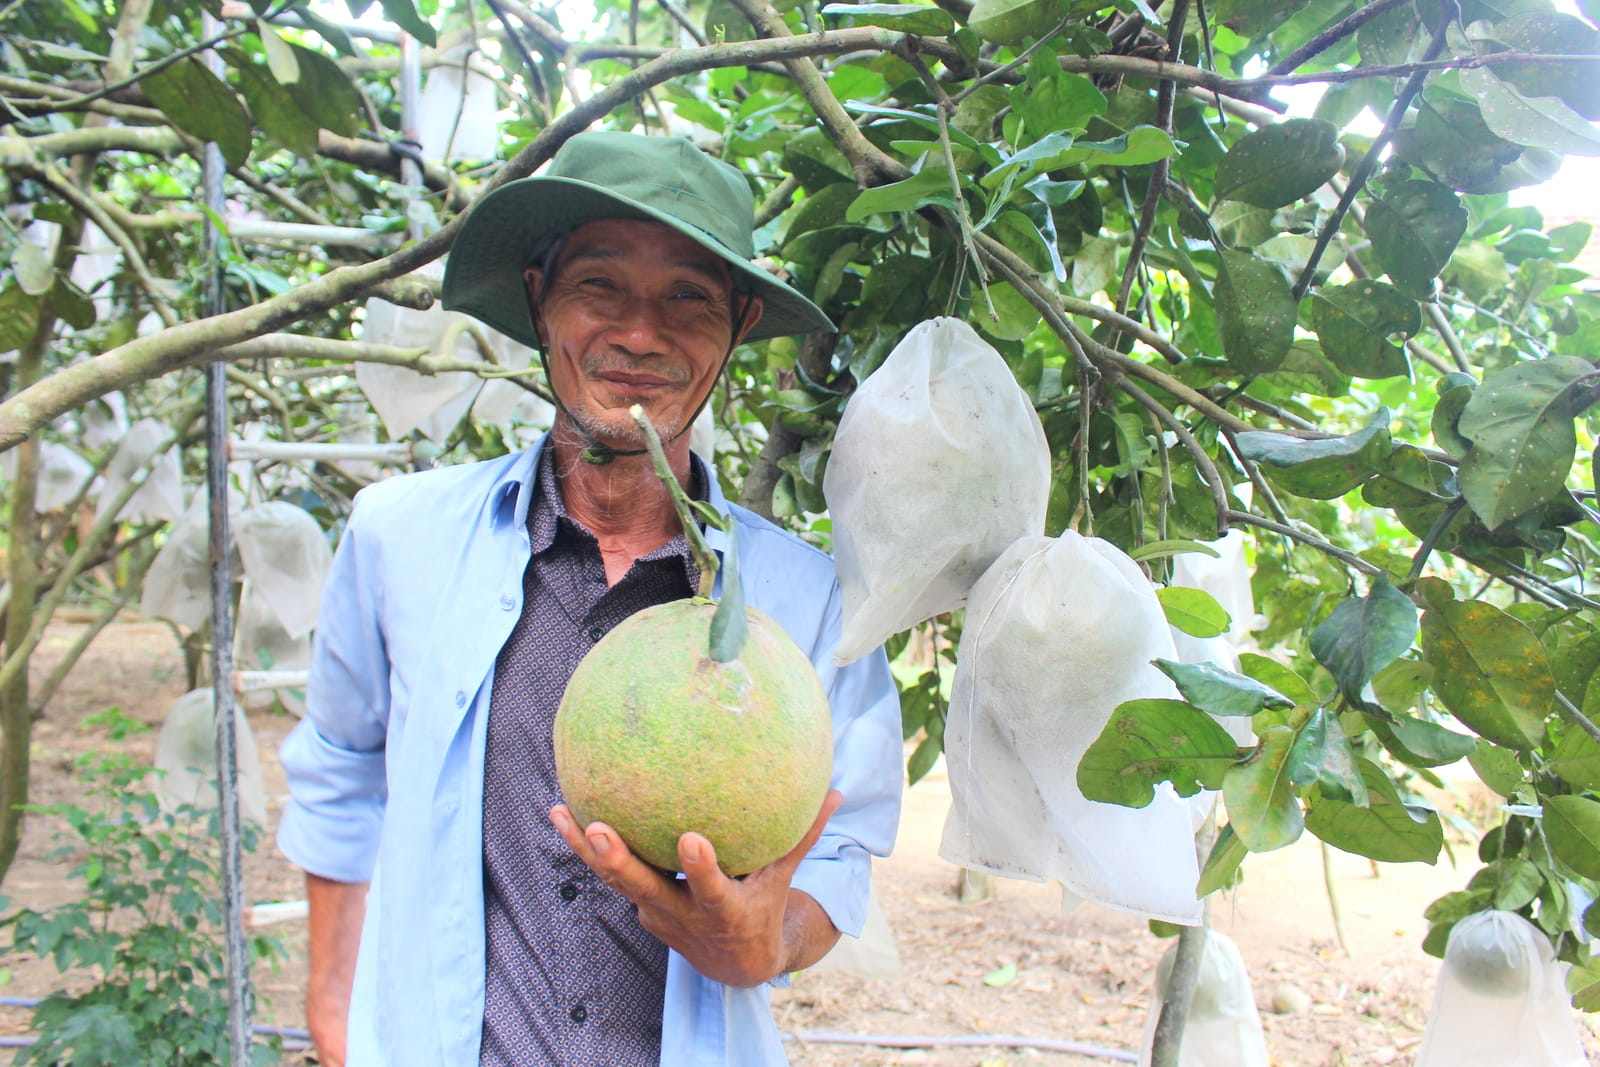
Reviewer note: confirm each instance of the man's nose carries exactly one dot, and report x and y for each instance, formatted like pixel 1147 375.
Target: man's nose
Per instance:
pixel 640 327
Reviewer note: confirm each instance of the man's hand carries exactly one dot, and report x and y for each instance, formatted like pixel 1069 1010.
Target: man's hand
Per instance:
pixel 740 932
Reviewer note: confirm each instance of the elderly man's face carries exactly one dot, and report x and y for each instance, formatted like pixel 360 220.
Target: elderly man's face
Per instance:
pixel 635 313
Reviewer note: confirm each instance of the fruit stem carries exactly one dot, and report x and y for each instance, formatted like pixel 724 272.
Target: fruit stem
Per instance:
pixel 704 557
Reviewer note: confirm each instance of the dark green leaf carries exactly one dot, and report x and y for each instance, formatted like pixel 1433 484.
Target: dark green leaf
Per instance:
pixel 1489 670
pixel 1151 741
pixel 1221 869
pixel 1194 611
pixel 1262 806
pixel 1280 163
pixel 1413 230
pixel 1323 468
pixel 1255 312
pixel 905 18
pixel 1572 827
pixel 1283 679
pixel 326 94
pixel 274 108
pixel 1364 635
pixel 329 31
pixel 1577 761
pixel 1355 322
pixel 199 103
pixel 1386 829
pixel 1221 692
pixel 1498 768
pixel 19 317
pixel 1256 18
pixel 1520 423
pixel 403 13
pixel 1061 101
pixel 1446 418
pixel 1512 883
pixel 922 758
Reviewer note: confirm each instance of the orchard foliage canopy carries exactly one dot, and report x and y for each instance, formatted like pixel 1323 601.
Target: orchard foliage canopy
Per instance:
pixel 1329 329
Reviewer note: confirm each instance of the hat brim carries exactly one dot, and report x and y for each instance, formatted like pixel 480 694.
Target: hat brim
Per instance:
pixel 510 229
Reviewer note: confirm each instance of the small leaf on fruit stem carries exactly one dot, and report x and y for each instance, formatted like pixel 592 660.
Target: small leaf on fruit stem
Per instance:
pixel 1194 611
pixel 728 626
pixel 1221 692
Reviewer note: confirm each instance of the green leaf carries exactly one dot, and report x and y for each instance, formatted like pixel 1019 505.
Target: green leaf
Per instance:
pixel 281 59
pixel 1420 743
pixel 1539 122
pixel 1017 316
pixel 922 758
pixel 1255 312
pixel 1552 33
pixel 1171 547
pixel 1498 768
pixel 1193 611
pixel 403 13
pixel 919 19
pixel 1322 756
pixel 1061 101
pixel 1446 419
pixel 1219 692
pixel 329 31
pixel 931 185
pixel 1256 18
pixel 1489 670
pixel 1150 741
pixel 1577 761
pixel 274 107
pixel 1227 853
pixel 1280 163
pixel 1512 883
pixel 1283 679
pixel 1572 827
pixel 199 103
pixel 326 94
pixel 1323 468
pixel 1363 635
pixel 1414 229
pixel 33 267
pixel 1386 830
pixel 1354 324
pixel 1262 806
pixel 1520 423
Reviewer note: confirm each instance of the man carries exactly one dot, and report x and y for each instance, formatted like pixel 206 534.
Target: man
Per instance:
pixel 495 930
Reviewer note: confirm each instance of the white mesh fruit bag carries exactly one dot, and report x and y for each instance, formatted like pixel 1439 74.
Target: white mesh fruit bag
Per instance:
pixel 287 557
pixel 939 463
pixel 186 756
pixel 1501 999
pixel 1058 633
pixel 1223 1028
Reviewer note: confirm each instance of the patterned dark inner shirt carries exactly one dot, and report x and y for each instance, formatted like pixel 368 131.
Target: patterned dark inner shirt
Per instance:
pixel 572 978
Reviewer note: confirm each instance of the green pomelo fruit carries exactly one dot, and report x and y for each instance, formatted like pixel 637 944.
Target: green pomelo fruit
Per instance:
pixel 1488 959
pixel 1012 22
pixel 655 738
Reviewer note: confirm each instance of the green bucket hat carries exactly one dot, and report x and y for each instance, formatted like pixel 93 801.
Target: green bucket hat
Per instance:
pixel 602 175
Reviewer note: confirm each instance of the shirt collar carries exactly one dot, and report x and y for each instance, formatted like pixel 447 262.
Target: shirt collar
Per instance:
pixel 514 492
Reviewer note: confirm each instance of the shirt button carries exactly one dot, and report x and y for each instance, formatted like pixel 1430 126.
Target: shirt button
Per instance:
pixel 595 633
pixel 569 892
pixel 461 699
pixel 579 1013
pixel 508 602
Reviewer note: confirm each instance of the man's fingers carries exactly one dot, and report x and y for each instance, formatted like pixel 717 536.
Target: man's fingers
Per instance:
pixel 698 858
pixel 599 846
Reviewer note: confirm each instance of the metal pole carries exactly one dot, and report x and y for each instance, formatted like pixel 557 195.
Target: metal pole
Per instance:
pixel 227 742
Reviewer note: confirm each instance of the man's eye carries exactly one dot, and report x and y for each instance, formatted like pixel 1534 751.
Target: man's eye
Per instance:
pixel 690 294
pixel 596 283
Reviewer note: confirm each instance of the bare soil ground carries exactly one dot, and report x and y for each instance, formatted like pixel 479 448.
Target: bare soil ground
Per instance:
pixel 1083 977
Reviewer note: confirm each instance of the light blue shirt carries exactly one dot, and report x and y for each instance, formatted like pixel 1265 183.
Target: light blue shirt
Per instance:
pixel 386 770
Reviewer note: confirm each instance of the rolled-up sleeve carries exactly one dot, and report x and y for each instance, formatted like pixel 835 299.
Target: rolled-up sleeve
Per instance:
pixel 866 769
pixel 334 758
